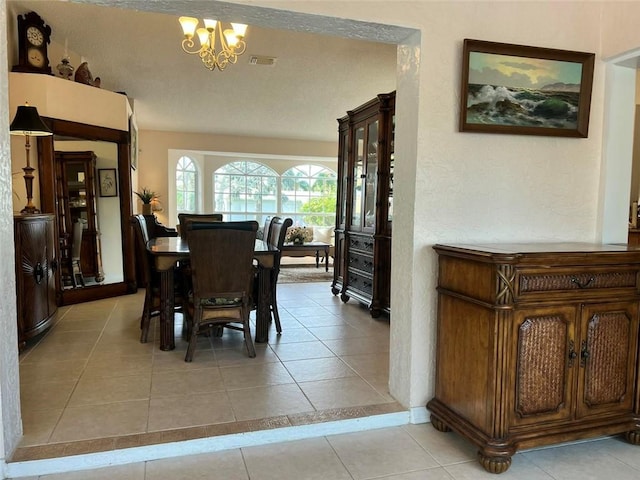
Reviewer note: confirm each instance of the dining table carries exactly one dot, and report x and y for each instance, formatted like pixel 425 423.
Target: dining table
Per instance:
pixel 168 251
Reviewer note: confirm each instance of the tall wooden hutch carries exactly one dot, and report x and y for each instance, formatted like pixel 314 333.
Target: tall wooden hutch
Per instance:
pixel 364 210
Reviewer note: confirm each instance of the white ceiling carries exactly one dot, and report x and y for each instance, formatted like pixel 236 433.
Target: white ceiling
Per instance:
pixel 316 79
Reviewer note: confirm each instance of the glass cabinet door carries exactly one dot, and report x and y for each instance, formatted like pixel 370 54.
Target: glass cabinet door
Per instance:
pixel 371 176
pixel 358 180
pixel 76 178
pixel 344 171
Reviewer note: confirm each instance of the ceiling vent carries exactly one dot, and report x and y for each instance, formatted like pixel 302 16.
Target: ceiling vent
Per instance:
pixel 262 60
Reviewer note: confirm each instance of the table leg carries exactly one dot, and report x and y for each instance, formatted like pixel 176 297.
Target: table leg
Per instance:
pixel 167 312
pixel 263 314
pixel 326 259
pixel 318 258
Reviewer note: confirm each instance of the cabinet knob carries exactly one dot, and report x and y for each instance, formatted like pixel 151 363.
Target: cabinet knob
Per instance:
pixel 584 354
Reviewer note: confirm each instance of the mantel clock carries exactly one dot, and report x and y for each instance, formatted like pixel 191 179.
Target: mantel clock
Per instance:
pixel 33 38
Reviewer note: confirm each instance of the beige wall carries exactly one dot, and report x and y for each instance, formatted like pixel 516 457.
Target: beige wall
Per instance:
pixel 64 100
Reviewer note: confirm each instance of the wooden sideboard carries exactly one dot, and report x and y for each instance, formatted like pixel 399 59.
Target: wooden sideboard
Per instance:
pixel 536 344
pixel 34 237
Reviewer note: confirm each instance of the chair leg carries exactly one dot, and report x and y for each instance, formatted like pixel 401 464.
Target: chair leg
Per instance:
pixel 274 308
pixel 247 338
pixel 194 338
pixel 192 343
pixel 145 321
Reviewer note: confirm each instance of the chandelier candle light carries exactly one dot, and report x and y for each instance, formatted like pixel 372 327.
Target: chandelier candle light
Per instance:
pixel 231 41
pixel 28 123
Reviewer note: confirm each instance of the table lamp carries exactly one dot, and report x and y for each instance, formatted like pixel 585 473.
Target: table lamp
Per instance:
pixel 27 122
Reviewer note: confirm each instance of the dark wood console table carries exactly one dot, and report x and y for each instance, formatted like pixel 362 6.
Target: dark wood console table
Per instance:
pixel 293 250
pixel 537 344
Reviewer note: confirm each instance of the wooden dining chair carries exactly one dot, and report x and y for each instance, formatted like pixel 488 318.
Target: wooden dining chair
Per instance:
pixel 201 217
pixel 222 271
pixel 278 232
pixel 151 278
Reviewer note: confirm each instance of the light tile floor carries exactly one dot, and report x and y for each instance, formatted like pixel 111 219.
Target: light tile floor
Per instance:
pixel 411 452
pixel 90 381
pixel 89 385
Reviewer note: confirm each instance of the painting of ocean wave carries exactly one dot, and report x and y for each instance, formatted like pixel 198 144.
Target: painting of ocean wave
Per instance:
pixel 525 90
pixel 552 106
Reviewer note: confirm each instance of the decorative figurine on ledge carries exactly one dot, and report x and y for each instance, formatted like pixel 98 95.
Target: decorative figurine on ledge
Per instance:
pixel 65 69
pixel 83 75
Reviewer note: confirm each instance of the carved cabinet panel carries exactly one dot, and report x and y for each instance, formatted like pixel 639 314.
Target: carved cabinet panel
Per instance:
pixel 35 274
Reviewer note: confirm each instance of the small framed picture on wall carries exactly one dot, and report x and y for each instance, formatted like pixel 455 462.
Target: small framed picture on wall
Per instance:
pixel 107 182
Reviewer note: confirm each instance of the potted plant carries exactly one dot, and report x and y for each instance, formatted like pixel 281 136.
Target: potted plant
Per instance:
pixel 146 196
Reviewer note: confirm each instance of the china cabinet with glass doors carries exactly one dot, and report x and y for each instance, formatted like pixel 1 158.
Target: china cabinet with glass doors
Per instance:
pixel 76 189
pixel 364 210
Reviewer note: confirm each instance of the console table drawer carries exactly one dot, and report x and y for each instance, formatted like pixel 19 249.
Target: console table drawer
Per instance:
pixel 585 281
pixel 361 262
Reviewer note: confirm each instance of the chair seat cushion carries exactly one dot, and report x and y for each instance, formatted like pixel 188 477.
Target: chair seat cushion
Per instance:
pixel 220 301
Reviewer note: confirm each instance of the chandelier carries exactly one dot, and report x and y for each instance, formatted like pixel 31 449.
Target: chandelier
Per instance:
pixel 231 42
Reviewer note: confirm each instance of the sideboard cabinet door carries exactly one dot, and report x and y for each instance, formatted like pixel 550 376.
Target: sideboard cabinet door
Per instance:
pixel 545 360
pixel 608 346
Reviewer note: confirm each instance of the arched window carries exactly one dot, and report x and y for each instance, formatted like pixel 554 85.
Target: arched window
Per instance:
pixel 186 185
pixel 245 191
pixel 309 195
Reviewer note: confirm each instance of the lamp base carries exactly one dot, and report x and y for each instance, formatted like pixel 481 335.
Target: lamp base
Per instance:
pixel 28 183
pixel 29 210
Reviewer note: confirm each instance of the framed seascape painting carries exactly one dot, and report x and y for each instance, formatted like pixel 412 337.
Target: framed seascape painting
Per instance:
pixel 525 90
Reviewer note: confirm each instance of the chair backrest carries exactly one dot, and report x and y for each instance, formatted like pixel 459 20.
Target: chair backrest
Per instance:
pixel 139 224
pixel 76 244
pixel 221 257
pixel 266 230
pixel 279 231
pixel 202 217
pixel 155 229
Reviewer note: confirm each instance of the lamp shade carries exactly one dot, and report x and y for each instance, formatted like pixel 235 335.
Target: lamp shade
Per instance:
pixel 28 122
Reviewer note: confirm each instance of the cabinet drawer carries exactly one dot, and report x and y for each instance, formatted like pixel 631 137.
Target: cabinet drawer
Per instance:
pixel 362 243
pixel 361 262
pixel 360 282
pixel 585 281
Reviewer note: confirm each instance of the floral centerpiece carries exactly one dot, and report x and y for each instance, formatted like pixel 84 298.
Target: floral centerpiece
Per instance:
pixel 298 235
